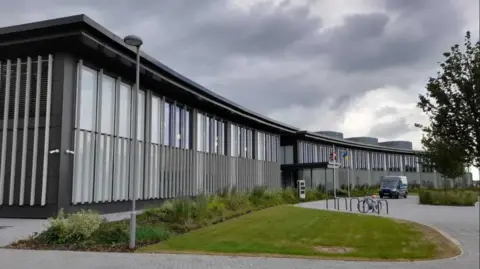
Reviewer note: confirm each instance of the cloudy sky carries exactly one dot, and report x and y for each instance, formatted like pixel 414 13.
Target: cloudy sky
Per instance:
pixel 355 66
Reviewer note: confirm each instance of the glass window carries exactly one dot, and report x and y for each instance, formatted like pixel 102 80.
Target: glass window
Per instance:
pixel 178 134
pixel 241 138
pixel 166 124
pixel 108 105
pixel 239 141
pixel 215 135
pixel 207 134
pixel 88 98
pixel 155 131
pixel 260 145
pixel 124 110
pixel 187 129
pixel 221 139
pixel 300 152
pixel 250 144
pixel 199 132
pixel 272 148
pixel 141 116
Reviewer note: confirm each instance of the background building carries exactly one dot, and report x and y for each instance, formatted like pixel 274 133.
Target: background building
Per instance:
pixel 65 104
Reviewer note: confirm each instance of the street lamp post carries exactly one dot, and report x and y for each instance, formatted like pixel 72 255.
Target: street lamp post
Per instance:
pixel 134 41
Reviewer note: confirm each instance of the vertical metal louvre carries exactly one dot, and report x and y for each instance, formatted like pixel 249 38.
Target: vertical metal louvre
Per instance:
pixel 25 102
pixel 181 152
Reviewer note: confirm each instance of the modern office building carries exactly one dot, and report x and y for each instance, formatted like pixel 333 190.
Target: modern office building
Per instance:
pixel 66 130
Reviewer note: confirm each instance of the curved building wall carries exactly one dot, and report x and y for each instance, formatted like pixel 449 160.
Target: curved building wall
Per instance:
pixel 333 134
pixel 364 139
pixel 187 144
pixel 397 144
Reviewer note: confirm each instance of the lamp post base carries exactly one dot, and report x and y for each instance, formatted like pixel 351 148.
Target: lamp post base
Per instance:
pixel 133 228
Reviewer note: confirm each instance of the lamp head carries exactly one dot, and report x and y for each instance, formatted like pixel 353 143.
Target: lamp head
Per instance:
pixel 133 40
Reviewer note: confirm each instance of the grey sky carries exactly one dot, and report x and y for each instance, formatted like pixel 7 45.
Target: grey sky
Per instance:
pixel 316 58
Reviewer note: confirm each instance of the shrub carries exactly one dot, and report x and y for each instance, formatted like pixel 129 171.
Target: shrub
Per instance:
pixel 450 197
pixel 180 210
pixel 150 234
pixel 236 202
pixel 216 206
pixel 200 207
pixel 257 196
pixel 311 195
pixel 290 196
pixel 259 192
pixel 154 214
pixel 73 228
pixel 111 233
pixel 272 198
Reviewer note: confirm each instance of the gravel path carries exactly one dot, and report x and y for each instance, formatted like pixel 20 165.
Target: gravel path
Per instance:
pixel 459 223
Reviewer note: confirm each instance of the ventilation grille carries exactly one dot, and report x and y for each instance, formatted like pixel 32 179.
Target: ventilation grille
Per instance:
pixel 23 85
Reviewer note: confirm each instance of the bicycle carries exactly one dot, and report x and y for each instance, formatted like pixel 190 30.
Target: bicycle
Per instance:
pixel 369 204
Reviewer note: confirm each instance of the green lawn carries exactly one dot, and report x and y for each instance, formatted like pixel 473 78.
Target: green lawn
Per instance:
pixel 292 231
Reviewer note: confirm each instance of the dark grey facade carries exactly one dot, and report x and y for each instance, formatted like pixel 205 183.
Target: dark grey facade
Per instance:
pixel 66 137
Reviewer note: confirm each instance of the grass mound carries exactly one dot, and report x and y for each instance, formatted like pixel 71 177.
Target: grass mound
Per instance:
pixel 293 231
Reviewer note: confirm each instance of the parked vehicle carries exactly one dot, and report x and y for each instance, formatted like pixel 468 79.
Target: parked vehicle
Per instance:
pixel 394 187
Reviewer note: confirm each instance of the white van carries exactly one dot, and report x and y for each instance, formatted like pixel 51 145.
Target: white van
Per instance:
pixel 393 187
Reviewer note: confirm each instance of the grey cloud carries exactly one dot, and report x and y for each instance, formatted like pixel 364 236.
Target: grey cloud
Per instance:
pixel 391 130
pixel 374 41
pixel 385 111
pixel 206 39
pixel 260 32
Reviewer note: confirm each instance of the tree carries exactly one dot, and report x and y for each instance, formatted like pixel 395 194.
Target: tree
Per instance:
pixel 452 103
pixel 444 156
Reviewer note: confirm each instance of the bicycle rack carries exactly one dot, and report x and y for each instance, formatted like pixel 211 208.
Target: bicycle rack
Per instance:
pixel 335 202
pixel 363 202
pixel 354 198
pixel 378 207
pixel 386 203
pixel 338 202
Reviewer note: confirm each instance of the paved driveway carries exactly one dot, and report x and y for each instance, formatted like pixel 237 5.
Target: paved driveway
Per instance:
pixel 460 223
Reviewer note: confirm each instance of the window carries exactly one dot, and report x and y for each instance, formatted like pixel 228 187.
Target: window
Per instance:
pixel 166 124
pixel 233 131
pixel 108 105
pixel 207 134
pixel 178 134
pixel 244 143
pixel 200 133
pixel 216 136
pixel 141 116
pixel 261 146
pixel 220 135
pixel 275 148
pixel 187 129
pixel 88 99
pixel 155 131
pixel 124 110
pixel 239 141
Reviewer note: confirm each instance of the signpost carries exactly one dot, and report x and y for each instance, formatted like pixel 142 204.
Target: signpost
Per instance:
pixel 333 157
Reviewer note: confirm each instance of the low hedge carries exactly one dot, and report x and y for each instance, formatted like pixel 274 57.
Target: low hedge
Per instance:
pixel 448 197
